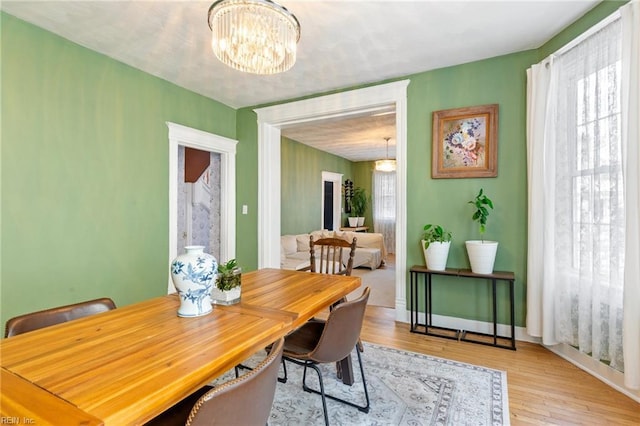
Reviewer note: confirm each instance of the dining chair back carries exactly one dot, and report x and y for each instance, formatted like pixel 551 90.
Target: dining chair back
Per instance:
pixel 246 400
pixel 331 257
pixel 40 319
pixel 319 342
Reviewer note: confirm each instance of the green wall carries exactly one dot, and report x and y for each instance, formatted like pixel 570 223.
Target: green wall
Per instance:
pixel 301 171
pixel 84 156
pixel 301 189
pixel 85 174
pixel 502 81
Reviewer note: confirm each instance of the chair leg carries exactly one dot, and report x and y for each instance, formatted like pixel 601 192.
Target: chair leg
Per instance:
pixel 284 367
pixel 364 408
pixel 322 393
pixel 364 381
pixel 239 367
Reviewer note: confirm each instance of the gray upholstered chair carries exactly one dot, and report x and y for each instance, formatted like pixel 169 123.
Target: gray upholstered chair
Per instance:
pixel 330 341
pixel 245 401
pixel 40 319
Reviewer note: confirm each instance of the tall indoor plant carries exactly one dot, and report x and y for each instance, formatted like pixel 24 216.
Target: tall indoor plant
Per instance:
pixel 435 246
pixel 359 204
pixel 482 253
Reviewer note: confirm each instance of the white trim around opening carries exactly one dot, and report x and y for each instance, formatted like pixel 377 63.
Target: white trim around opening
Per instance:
pixel 344 104
pixel 198 139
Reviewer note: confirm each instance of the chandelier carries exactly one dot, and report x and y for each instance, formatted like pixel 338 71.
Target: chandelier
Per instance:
pixel 254 36
pixel 386 165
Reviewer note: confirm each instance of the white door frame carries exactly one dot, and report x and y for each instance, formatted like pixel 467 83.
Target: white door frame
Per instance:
pixel 204 141
pixel 344 104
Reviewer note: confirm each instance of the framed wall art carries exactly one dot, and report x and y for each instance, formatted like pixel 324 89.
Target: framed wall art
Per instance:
pixel 465 142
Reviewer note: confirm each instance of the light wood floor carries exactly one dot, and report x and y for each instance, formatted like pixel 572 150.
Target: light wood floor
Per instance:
pixel 543 388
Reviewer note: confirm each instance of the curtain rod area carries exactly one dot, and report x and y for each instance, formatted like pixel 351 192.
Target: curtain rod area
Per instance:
pixel 588 33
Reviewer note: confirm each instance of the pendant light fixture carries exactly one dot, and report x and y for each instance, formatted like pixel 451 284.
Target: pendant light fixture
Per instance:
pixel 254 36
pixel 386 165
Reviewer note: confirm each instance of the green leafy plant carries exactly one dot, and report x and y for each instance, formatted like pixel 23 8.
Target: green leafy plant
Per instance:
pixel 435 233
pixel 359 201
pixel 229 275
pixel 481 213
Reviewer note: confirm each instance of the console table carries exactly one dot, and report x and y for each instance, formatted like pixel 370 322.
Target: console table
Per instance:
pixel 468 336
pixel 355 229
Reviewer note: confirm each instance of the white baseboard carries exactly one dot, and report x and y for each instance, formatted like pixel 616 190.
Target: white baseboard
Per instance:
pixel 402 315
pixel 601 371
pixel 469 325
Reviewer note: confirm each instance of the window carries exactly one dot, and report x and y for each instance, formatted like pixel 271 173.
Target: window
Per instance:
pixel 384 207
pixel 588 196
pixel 597 193
pixel 583 163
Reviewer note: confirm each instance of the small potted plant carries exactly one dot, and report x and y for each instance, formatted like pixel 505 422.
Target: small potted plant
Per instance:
pixel 353 218
pixel 482 253
pixel 435 246
pixel 228 281
pixel 359 203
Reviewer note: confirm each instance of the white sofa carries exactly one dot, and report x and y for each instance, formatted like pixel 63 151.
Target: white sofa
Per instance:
pixel 370 251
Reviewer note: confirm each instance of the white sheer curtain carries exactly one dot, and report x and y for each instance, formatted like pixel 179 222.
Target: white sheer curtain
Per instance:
pixel 384 207
pixel 582 145
pixel 630 14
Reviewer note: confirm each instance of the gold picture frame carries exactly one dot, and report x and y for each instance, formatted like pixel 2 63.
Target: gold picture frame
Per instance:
pixel 465 142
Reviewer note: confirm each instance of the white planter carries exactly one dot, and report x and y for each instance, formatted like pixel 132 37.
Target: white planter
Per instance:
pixel 482 255
pixel 192 274
pixel 360 221
pixel 231 295
pixel 228 297
pixel 436 255
pixel 353 222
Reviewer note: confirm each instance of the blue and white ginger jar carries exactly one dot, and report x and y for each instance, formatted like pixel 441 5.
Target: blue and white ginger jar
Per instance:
pixel 193 274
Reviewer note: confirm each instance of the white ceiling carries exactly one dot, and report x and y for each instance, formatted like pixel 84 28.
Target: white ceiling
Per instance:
pixel 343 44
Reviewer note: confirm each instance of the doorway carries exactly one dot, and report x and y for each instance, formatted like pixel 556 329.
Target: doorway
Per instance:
pixel 344 104
pixel 198 200
pixel 225 148
pixel 331 200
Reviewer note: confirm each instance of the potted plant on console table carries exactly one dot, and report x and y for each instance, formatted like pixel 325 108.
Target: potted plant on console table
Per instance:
pixel 482 253
pixel 435 246
pixel 360 201
pixel 353 218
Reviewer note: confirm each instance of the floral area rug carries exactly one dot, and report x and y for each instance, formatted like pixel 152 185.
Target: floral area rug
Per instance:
pixel 405 388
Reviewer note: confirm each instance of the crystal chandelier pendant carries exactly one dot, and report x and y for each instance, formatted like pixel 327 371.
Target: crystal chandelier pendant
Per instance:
pixel 254 36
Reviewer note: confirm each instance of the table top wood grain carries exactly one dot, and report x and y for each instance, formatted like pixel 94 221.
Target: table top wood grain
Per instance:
pixel 127 365
pixel 28 404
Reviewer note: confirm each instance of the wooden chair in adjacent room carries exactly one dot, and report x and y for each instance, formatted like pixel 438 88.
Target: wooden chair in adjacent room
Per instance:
pixel 245 401
pixel 330 341
pixel 330 259
pixel 40 319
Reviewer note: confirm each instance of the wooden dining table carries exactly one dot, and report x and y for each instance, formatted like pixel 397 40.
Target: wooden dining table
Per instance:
pixel 126 366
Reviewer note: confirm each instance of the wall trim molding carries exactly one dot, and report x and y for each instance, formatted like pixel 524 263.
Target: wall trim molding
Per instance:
pixel 344 104
pixel 472 325
pixel 198 139
pixel 597 369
